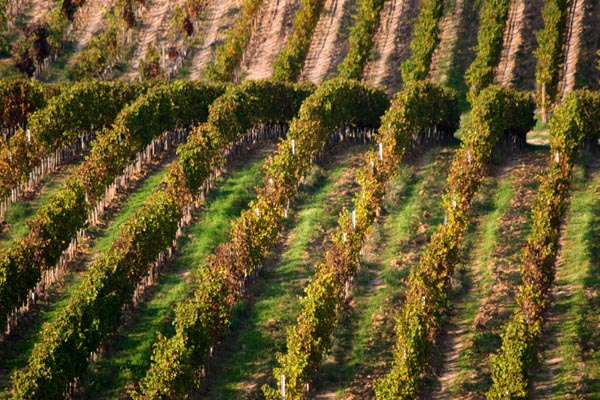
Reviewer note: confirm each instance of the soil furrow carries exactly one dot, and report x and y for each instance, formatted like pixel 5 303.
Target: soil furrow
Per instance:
pixel 220 15
pixel 517 65
pixel 572 47
pixel 444 54
pixel 326 49
pixel 272 28
pixel 391 44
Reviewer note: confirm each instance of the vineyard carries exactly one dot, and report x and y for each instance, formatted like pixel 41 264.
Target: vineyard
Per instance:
pixel 299 199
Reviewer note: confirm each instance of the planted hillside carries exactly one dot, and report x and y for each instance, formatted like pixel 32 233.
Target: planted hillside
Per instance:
pixel 496 112
pixel 94 311
pixel 124 274
pixel 573 121
pixel 492 24
pixel 201 321
pixel 310 339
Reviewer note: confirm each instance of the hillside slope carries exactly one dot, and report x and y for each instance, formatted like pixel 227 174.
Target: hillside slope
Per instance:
pixel 329 44
pixel 219 17
pixel 391 44
pixel 272 27
pixel 517 64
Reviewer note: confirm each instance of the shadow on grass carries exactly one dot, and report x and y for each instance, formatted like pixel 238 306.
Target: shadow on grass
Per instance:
pixel 589 320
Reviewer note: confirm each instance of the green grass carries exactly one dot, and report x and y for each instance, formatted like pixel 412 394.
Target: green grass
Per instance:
pixel 133 202
pixel 24 341
pixel 574 340
pixel 245 365
pixel 363 341
pixel 24 209
pixel 130 356
pixel 473 280
pixel 490 272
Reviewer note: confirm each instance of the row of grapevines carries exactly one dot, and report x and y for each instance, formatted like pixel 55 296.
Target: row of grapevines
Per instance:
pixel 44 38
pixel 19 98
pixel 229 54
pixel 289 61
pixel 80 108
pixel 425 38
pixel 3 25
pixel 576 118
pixel 125 11
pixel 202 320
pixel 549 53
pixel 104 51
pixel 495 111
pixel 366 21
pixel 418 107
pixel 161 109
pixel 51 229
pixel 493 16
pixel 94 311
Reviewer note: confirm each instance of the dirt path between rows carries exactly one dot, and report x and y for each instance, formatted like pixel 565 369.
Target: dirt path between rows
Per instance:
pixel 327 50
pixel 272 28
pixel 391 44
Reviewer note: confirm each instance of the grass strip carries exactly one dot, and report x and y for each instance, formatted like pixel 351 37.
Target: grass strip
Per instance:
pixel 572 341
pixel 20 349
pixel 129 357
pixel 245 366
pixel 364 338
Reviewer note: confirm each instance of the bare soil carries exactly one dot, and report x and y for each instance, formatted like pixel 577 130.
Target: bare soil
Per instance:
pixel 328 47
pixel 272 28
pixel 391 44
pixel 220 15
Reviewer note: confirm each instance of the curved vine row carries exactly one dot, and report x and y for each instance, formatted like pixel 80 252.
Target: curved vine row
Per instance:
pixel 496 111
pixel 51 229
pixel 83 107
pixel 576 119
pixel 202 320
pixel 310 339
